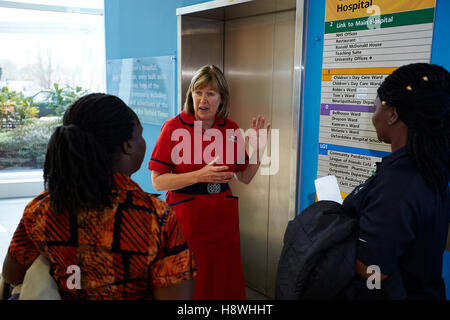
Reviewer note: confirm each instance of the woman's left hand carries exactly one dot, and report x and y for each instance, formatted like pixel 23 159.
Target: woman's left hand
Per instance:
pixel 258 142
pixel 258 136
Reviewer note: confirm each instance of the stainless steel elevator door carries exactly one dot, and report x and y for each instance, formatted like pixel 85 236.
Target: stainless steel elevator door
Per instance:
pixel 202 43
pixel 259 67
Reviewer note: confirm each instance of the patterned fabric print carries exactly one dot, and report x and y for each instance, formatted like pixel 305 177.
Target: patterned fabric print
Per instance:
pixel 122 251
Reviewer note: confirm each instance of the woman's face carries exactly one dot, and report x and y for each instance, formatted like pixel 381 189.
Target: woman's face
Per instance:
pixel 206 103
pixel 380 119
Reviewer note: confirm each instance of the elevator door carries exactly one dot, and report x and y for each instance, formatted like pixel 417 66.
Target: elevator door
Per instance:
pixel 259 67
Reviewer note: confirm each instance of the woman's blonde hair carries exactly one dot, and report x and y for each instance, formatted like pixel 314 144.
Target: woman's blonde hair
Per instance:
pixel 209 74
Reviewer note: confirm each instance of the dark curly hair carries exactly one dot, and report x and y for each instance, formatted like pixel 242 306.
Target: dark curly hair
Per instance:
pixel 81 153
pixel 421 94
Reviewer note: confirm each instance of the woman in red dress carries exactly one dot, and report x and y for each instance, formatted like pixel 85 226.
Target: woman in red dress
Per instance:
pixel 197 153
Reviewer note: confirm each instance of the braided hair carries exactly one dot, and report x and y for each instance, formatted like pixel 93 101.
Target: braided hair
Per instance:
pixel 421 94
pixel 81 153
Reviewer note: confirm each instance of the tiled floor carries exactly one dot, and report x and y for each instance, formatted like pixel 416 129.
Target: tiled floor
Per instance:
pixel 11 211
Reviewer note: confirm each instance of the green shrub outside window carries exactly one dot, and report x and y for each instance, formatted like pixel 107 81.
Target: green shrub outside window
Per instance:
pixel 23 134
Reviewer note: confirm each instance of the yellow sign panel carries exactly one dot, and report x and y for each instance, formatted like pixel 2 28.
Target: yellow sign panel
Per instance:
pixel 348 9
pixel 328 73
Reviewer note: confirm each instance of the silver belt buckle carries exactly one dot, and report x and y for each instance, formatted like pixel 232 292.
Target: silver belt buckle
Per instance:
pixel 213 188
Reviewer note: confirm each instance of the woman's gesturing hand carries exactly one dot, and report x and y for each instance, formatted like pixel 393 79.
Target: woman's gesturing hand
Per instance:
pixel 258 136
pixel 217 174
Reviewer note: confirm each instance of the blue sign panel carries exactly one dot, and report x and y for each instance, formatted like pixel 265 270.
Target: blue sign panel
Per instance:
pixel 146 85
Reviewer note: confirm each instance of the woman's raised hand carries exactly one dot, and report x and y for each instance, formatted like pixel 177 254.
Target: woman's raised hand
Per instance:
pixel 216 174
pixel 258 136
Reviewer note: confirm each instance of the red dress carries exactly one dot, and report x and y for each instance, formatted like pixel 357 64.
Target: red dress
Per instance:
pixel 210 221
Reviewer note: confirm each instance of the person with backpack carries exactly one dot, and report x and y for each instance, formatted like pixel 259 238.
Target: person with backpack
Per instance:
pixel 404 208
pixel 387 239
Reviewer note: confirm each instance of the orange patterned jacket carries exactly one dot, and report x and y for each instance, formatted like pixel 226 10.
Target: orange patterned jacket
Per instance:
pixel 122 252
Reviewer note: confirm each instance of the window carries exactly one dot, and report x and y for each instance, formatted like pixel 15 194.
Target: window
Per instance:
pixel 90 4
pixel 52 51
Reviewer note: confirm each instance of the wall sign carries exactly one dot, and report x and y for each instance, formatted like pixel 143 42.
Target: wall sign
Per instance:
pixel 364 42
pixel 147 85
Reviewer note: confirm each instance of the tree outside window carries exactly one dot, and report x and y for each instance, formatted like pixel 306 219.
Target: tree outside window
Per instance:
pixel 48 60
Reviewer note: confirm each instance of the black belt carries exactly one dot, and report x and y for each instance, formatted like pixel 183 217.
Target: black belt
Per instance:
pixel 204 188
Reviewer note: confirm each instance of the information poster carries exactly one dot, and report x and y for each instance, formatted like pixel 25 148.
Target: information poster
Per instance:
pixel 146 85
pixel 364 42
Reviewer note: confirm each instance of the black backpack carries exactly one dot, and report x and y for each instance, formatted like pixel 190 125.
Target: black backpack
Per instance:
pixel 319 253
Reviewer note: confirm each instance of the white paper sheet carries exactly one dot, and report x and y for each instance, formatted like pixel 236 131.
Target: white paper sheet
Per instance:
pixel 327 188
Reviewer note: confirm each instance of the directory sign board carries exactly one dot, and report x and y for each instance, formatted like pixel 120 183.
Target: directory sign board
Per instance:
pixel 364 41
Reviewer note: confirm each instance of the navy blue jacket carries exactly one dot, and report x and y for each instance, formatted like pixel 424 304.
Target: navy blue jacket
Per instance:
pixel 403 230
pixel 403 227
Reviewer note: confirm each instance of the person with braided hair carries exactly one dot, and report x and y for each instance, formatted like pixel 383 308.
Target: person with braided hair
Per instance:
pixel 92 217
pixel 404 208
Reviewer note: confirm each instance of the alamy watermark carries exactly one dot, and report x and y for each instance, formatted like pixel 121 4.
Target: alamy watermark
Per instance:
pixel 374 21
pixel 184 151
pixel 74 280
pixel 374 280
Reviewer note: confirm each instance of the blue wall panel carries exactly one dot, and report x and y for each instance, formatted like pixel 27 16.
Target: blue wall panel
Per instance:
pixel 314 51
pixel 440 55
pixel 311 112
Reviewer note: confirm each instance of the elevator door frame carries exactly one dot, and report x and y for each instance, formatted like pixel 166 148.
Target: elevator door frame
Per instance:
pixel 214 14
